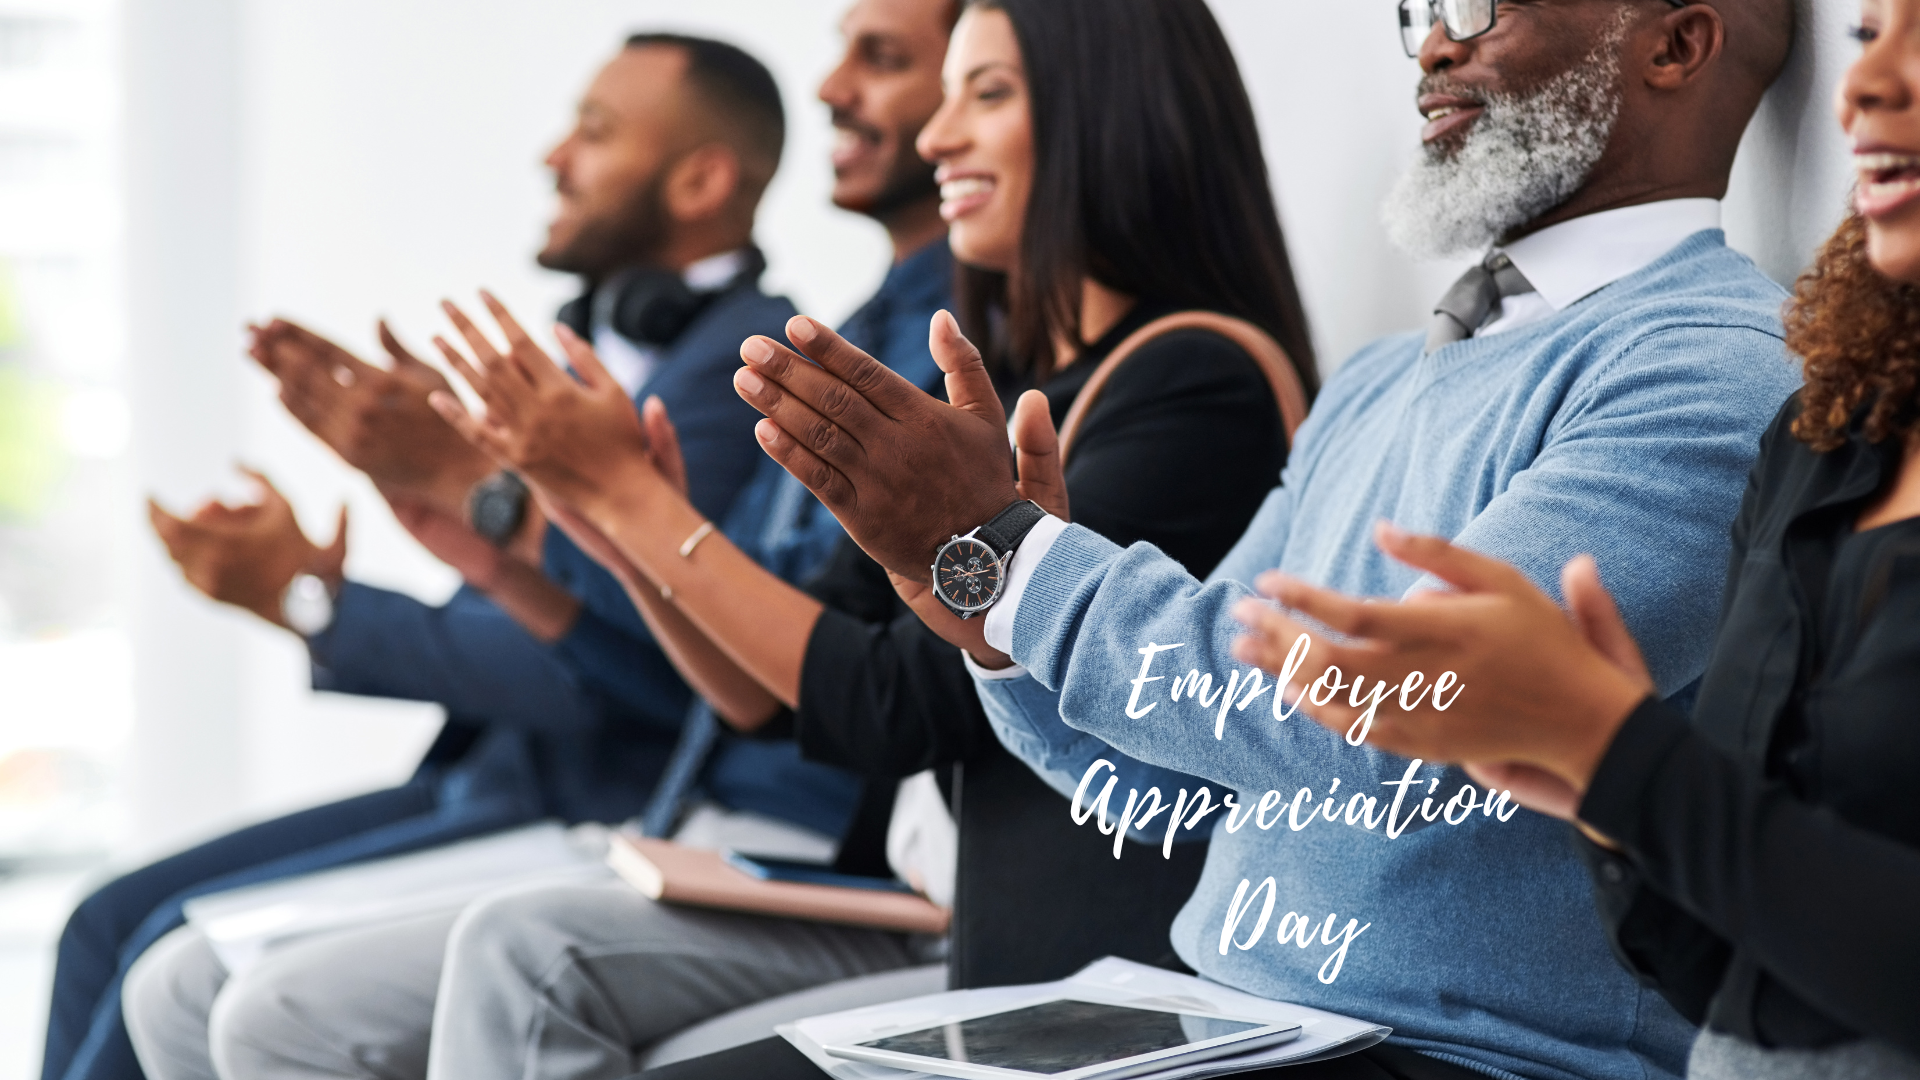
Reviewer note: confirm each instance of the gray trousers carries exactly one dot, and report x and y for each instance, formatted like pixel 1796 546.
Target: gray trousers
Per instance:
pixel 561 981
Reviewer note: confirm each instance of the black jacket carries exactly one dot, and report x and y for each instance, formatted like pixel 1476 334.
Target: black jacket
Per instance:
pixel 1771 872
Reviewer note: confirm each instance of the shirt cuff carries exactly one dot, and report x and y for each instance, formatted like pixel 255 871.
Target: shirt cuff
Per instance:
pixel 1039 540
pixel 1012 671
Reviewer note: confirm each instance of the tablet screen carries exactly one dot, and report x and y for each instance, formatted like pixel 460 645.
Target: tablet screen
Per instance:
pixel 1057 1036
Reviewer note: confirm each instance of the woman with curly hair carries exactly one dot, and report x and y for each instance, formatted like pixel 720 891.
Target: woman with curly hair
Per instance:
pixel 1759 861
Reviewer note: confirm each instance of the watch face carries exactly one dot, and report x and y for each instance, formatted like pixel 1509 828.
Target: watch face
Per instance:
pixel 968 575
pixel 307 605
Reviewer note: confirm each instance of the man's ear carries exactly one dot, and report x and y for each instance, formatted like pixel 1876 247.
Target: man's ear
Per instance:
pixel 1691 40
pixel 702 183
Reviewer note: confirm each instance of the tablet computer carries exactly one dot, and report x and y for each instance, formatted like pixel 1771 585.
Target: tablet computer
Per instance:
pixel 1067 1039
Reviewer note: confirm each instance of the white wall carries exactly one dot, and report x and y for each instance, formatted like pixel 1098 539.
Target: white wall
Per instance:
pixel 337 161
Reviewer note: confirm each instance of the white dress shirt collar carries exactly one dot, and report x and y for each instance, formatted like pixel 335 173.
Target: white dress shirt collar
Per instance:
pixel 715 272
pixel 1573 259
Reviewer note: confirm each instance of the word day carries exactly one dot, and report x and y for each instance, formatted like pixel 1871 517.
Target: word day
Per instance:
pixel 1361 809
pixel 1295 928
pixel 1240 691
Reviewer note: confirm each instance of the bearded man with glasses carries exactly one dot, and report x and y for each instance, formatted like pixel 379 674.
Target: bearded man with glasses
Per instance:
pixel 1596 383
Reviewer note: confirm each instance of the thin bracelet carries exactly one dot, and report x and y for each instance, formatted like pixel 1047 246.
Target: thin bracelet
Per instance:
pixel 699 534
pixel 686 552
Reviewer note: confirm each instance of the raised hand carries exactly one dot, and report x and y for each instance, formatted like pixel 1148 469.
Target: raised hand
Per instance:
pixel 902 470
pixel 246 554
pixel 573 437
pixel 1537 702
pixel 378 420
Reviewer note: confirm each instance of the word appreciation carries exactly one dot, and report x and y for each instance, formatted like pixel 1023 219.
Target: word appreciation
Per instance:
pixel 1360 810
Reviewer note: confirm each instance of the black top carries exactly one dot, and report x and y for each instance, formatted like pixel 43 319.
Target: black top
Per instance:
pixel 1180 451
pixel 1772 847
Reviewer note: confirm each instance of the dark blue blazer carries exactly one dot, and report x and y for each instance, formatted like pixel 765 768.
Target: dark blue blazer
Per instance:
pixel 579 729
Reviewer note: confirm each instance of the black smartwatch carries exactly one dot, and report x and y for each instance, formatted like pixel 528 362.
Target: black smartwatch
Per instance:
pixel 497 507
pixel 970 572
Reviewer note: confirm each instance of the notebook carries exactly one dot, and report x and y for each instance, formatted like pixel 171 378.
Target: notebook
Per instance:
pixel 675 874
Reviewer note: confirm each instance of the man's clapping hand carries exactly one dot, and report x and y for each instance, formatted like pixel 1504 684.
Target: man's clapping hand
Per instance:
pixel 1037 451
pixel 246 554
pixel 570 437
pixel 378 420
pixel 902 470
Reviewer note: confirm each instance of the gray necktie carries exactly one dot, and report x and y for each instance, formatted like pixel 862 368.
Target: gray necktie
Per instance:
pixel 1474 300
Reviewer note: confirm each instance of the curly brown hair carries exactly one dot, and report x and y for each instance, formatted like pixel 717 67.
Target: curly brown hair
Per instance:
pixel 1857 332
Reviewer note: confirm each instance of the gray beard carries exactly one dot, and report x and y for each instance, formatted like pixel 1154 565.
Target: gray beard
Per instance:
pixel 1525 155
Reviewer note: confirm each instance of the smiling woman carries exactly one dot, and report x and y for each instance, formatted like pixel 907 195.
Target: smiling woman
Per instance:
pixel 1112 172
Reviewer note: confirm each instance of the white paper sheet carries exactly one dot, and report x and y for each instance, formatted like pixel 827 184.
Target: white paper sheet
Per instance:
pixel 1120 982
pixel 242 924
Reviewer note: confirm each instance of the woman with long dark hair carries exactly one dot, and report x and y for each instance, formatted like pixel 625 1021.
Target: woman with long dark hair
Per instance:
pixel 1081 237
pixel 1147 180
pixel 1759 860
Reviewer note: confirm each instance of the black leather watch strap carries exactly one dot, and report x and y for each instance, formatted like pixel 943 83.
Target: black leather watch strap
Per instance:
pixel 1010 526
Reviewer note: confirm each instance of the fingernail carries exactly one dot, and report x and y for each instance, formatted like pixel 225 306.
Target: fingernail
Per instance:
pixel 767 432
pixel 801 329
pixel 756 350
pixel 1243 650
pixel 1244 610
pixel 748 382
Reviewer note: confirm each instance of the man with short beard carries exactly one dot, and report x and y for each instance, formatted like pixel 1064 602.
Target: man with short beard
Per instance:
pixel 558 703
pixel 1597 383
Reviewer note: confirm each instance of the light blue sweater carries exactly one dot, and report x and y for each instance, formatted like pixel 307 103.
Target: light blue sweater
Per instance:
pixel 1624 426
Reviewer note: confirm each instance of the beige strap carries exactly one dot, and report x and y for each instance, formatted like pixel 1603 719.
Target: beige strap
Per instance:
pixel 1273 361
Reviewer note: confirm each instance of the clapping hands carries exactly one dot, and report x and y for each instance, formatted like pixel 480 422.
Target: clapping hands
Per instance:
pixel 575 439
pixel 1543 690
pixel 901 469
pixel 245 554
pixel 377 419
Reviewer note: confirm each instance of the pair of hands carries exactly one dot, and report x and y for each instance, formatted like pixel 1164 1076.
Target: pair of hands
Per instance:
pixel 902 470
pixel 1543 690
pixel 245 554
pixel 377 419
pixel 576 439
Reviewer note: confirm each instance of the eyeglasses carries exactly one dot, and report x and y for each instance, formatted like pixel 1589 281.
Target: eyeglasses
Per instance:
pixel 1463 19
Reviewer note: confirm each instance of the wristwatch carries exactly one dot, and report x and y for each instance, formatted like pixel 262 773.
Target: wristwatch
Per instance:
pixel 970 572
pixel 307 605
pixel 497 507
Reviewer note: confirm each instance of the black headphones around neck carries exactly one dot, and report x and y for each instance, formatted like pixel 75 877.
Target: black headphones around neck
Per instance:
pixel 649 305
